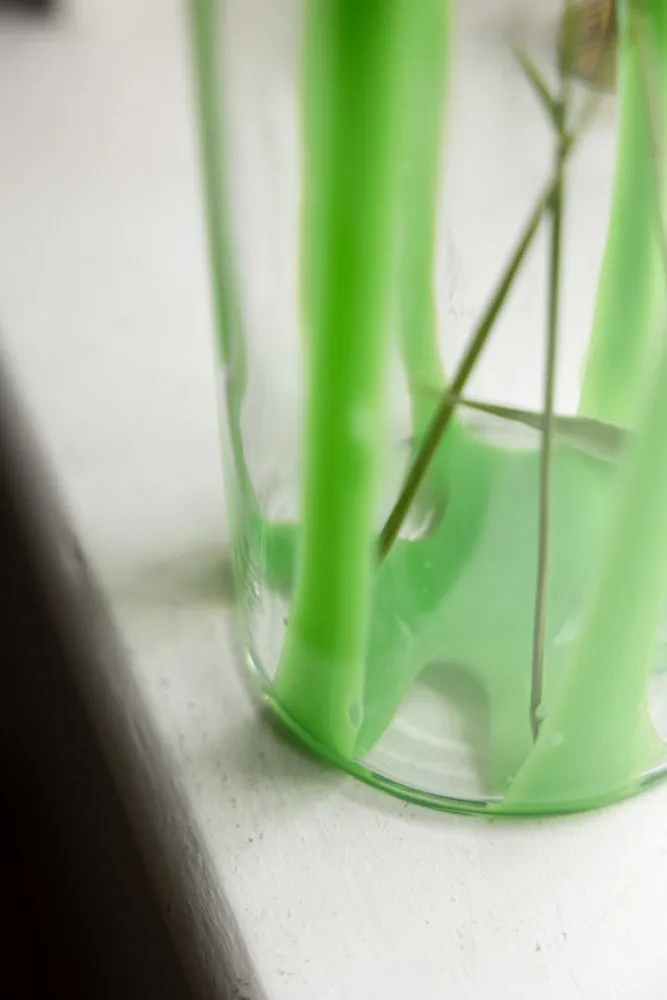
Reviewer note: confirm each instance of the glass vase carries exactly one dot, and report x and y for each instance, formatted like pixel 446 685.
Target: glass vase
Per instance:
pixel 439 271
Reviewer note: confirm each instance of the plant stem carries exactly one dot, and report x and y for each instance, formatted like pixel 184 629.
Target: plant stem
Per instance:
pixel 631 300
pixel 353 85
pixel 551 106
pixel 553 307
pixel 445 411
pixel 598 732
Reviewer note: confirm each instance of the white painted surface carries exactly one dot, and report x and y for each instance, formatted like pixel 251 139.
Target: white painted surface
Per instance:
pixel 299 883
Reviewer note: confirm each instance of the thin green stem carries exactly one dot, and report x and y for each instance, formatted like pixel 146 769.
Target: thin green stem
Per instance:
pixel 553 306
pixel 445 411
pixel 605 689
pixel 549 103
pixel 443 416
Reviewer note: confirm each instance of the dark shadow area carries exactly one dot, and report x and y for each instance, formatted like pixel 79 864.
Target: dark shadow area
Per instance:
pixel 201 579
pixel 31 7
pixel 82 919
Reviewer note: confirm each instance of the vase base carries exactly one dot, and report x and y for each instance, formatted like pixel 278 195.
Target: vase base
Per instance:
pixel 445 718
pixel 370 770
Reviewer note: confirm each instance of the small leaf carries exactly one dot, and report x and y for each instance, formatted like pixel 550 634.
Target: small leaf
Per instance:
pixel 587 43
pixel 596 437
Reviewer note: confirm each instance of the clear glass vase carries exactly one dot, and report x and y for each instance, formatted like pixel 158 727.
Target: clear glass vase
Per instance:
pixel 440 273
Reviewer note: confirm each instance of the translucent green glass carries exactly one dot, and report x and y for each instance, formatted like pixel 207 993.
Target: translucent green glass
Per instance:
pixel 440 275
